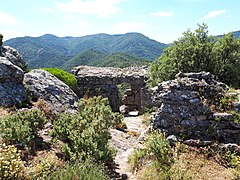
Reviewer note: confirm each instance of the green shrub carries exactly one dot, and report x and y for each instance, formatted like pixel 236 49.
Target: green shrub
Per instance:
pixel 21 128
pixel 80 171
pixel 67 78
pixel 197 51
pixel 155 158
pixel 11 166
pixel 136 159
pixel 158 146
pixel 86 133
pixel 43 169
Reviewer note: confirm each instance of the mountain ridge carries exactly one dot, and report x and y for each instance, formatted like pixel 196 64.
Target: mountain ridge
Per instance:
pixel 52 51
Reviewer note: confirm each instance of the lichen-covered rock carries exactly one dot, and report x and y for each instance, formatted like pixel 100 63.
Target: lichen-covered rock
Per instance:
pixel 182 110
pixel 13 56
pixel 12 91
pixel 9 71
pixel 43 85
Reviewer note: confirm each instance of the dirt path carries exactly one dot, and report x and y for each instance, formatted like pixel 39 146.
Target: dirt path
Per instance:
pixel 125 142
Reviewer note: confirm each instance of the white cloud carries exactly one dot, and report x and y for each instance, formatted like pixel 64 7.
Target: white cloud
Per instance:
pixel 213 14
pixel 83 24
pixel 125 27
pixel 69 17
pixel 77 21
pixel 162 14
pixel 9 33
pixel 102 8
pixel 8 19
pixel 48 10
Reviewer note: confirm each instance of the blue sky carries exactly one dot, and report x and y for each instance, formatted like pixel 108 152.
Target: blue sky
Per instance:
pixel 162 20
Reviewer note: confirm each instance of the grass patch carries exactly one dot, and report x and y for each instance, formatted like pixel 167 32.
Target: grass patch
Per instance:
pixel 80 171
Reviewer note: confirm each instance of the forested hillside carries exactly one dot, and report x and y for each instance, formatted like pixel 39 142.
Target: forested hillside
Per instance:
pixel 93 57
pixel 52 51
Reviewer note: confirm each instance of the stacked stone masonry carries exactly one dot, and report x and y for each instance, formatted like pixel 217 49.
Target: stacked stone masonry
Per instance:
pixel 96 81
pixel 182 110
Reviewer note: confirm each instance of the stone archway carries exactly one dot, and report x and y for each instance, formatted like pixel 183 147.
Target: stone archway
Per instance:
pixel 96 81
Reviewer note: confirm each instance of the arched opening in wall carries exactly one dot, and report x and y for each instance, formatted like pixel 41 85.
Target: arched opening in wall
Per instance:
pixel 128 98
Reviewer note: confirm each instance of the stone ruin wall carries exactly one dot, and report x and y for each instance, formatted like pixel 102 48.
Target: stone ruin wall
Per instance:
pixel 96 81
pixel 181 107
pixel 183 112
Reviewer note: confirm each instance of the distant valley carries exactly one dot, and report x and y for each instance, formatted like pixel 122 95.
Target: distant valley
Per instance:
pixel 96 50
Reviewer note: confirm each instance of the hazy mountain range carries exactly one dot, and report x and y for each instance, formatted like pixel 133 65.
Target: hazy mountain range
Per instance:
pixel 97 50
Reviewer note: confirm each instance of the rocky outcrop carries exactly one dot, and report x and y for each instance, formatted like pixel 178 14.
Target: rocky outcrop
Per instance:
pixel 12 92
pixel 13 56
pixel 96 81
pixel 43 85
pixel 182 110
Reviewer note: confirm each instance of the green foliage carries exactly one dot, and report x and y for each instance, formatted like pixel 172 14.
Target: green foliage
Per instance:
pixel 197 51
pixel 11 166
pixel 86 133
pixel 52 51
pixel 43 168
pixel 136 159
pixel 67 78
pixel 158 146
pixel 21 128
pixel 122 60
pixel 88 57
pixel 122 88
pixel 93 57
pixel 80 171
pixel 231 159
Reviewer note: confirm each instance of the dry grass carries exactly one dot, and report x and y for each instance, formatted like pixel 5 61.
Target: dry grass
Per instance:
pixel 133 133
pixel 5 111
pixel 202 168
pixel 146 119
pixel 191 164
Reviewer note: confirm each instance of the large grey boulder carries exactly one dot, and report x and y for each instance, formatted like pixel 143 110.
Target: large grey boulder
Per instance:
pixel 12 91
pixel 43 85
pixel 13 56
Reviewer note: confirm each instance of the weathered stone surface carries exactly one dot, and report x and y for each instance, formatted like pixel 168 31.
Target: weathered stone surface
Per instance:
pixel 96 81
pixel 13 56
pixel 12 92
pixel 9 72
pixel 223 116
pixel 43 85
pixel 183 113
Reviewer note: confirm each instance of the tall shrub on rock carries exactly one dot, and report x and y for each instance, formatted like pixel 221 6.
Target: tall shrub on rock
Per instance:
pixel 198 51
pixel 1 38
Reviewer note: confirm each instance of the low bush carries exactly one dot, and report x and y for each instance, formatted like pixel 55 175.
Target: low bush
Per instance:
pixel 80 171
pixel 41 167
pixel 67 78
pixel 86 133
pixel 21 128
pixel 156 158
pixel 11 166
pixel 158 146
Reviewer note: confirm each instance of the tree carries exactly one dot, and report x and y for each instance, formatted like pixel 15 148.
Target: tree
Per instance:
pixel 1 38
pixel 197 51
